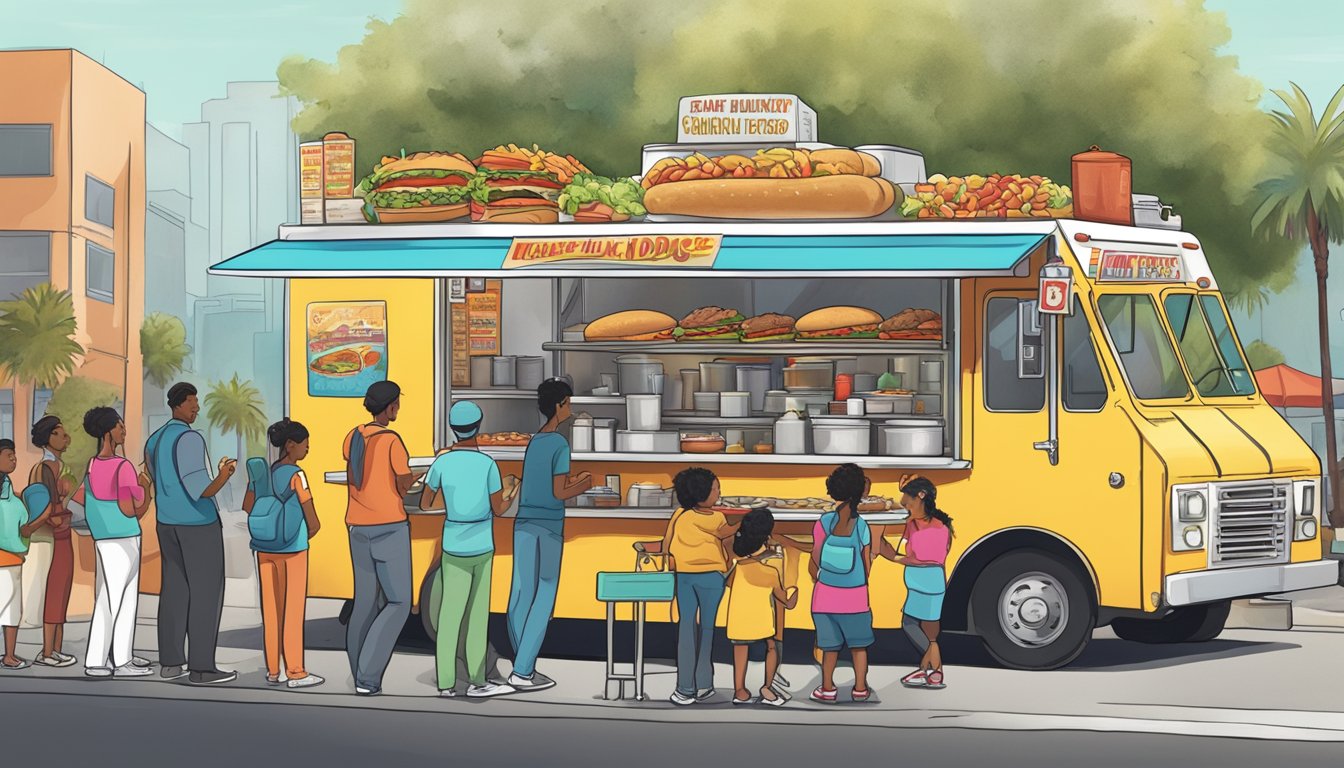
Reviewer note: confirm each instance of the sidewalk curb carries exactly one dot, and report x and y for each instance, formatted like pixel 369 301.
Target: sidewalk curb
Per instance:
pixel 1314 617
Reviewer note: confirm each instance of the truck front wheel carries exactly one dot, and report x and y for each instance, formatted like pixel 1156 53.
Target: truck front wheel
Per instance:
pixel 1187 624
pixel 1033 611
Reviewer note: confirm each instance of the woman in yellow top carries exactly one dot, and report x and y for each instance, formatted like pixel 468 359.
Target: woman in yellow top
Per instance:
pixel 756 596
pixel 694 547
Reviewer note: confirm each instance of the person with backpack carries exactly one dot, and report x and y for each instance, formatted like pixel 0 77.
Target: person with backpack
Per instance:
pixel 15 528
pixel 114 499
pixel 378 477
pixel 465 483
pixel 281 519
pixel 841 559
pixel 191 543
pixel 48 479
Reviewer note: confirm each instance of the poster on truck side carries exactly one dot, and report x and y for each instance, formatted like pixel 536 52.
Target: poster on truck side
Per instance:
pixel 347 347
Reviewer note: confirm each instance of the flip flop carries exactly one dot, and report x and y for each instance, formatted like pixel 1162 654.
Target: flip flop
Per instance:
pixel 858 695
pixel 916 679
pixel 823 696
pixel 23 664
pixel 935 680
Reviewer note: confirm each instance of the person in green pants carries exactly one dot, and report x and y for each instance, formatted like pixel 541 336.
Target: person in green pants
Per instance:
pixel 465 483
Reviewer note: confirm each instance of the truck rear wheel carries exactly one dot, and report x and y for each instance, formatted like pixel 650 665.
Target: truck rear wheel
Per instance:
pixel 1033 611
pixel 1187 624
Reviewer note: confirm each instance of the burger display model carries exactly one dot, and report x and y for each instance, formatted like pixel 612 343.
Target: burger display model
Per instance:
pixel 520 186
pixel 709 324
pixel 770 326
pixel 422 187
pixel 775 183
pixel 834 323
pixel 631 325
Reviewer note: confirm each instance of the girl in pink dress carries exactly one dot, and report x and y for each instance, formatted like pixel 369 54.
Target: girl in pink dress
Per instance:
pixel 928 537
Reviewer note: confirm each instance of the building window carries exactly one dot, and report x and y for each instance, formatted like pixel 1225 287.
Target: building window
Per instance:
pixel 25 261
pixel 25 150
pixel 101 266
pixel 7 414
pixel 99 202
pixel 1004 389
pixel 41 399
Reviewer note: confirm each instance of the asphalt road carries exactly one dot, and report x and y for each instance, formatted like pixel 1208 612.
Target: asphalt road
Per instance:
pixel 70 729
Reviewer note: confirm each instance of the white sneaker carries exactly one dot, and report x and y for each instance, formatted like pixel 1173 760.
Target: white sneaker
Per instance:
pixel 705 694
pixel 141 662
pixel 448 693
pixel 98 671
pixel 680 699
pixel 489 689
pixel 305 682
pixel 130 670
pixel 64 658
pixel 537 682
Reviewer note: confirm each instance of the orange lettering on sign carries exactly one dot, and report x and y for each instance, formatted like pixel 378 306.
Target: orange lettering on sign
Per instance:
pixel 641 250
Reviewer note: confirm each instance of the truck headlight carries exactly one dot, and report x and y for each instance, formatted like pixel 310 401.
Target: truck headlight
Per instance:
pixel 1305 525
pixel 1189 517
pixel 1306 530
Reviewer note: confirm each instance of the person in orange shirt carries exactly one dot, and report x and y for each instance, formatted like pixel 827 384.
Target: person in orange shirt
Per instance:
pixel 379 476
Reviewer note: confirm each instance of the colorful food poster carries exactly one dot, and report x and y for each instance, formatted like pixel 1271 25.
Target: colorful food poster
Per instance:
pixel 461 368
pixel 347 347
pixel 483 319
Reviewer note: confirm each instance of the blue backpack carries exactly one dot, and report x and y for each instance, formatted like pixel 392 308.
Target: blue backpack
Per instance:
pixel 276 513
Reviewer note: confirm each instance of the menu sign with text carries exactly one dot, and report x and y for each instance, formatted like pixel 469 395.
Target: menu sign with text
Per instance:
pixel 745 117
pixel 630 250
pixel 1122 266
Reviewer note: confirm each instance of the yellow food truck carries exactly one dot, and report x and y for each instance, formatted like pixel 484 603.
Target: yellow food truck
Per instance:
pixel 770 307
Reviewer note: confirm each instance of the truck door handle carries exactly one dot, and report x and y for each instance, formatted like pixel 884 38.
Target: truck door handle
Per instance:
pixel 1117 480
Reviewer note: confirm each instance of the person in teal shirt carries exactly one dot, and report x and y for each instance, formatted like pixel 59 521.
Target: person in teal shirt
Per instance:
pixel 466 484
pixel 539 534
pixel 15 528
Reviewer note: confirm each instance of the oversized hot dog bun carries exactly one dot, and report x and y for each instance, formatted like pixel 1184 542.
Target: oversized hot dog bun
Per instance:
pixel 826 197
pixel 842 160
pixel 631 325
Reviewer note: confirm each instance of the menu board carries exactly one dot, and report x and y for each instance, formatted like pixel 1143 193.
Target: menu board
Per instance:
pixel 483 320
pixel 461 357
pixel 1129 267
pixel 745 117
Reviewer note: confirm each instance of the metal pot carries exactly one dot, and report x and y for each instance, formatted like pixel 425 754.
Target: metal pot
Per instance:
pixel 911 437
pixel 635 374
pixel 643 413
pixel 755 380
pixel 504 371
pixel 848 437
pixel 718 376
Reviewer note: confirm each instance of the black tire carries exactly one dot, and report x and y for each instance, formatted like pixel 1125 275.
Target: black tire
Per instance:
pixel 1188 624
pixel 429 603
pixel 1071 610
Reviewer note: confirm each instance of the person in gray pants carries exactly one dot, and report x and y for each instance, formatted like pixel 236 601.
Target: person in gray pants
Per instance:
pixel 378 477
pixel 191 543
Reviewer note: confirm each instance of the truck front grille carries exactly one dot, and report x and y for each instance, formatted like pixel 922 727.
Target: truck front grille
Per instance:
pixel 1251 524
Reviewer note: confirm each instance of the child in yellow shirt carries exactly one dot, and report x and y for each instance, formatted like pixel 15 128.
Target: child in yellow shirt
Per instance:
pixel 756 597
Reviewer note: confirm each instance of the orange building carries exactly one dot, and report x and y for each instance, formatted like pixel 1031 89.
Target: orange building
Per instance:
pixel 72 213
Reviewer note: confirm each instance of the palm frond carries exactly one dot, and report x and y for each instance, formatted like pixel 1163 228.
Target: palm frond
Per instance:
pixel 37 336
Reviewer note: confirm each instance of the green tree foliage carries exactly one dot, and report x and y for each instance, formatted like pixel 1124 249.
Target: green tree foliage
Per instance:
pixel 163 343
pixel 234 407
pixel 1261 355
pixel 978 87
pixel 37 336
pixel 75 397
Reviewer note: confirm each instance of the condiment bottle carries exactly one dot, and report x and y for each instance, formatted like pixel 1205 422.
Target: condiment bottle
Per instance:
pixel 844 385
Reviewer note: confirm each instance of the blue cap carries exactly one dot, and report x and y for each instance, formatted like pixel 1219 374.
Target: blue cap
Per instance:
pixel 465 418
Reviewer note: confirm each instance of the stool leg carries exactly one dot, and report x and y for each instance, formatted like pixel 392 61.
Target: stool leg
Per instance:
pixel 611 662
pixel 639 651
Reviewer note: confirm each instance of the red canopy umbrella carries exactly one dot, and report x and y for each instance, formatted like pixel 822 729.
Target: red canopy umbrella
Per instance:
pixel 1286 387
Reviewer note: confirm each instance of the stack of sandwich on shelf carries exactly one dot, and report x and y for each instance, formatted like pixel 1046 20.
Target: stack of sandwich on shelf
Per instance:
pixel 520 186
pixel 423 187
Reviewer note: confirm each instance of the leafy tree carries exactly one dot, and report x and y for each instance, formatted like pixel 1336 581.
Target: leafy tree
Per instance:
pixel 1261 355
pixel 71 400
pixel 971 84
pixel 1304 202
pixel 234 407
pixel 37 336
pixel 163 343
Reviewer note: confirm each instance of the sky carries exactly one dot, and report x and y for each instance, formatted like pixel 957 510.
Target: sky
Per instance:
pixel 183 52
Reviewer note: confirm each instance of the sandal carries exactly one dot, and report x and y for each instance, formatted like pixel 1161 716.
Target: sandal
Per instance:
pixel 736 700
pixel 935 680
pixel 864 695
pixel 823 696
pixel 916 679
pixel 23 664
pixel 778 701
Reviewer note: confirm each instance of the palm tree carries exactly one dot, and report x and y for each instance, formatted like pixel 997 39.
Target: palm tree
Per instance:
pixel 163 344
pixel 1252 299
pixel 235 407
pixel 37 337
pixel 1306 203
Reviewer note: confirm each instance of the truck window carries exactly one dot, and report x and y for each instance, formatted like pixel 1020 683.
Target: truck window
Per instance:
pixel 1211 372
pixel 1004 391
pixel 1242 380
pixel 1084 387
pixel 1145 350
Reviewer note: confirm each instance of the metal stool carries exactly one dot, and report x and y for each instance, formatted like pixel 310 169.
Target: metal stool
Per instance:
pixel 639 588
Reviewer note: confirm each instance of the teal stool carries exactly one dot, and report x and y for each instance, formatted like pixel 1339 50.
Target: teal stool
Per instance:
pixel 639 588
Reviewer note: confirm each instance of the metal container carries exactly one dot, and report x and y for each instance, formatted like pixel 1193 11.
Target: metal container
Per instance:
pixel 648 495
pixel 1102 187
pixel 480 372
pixel 628 441
pixel 854 406
pixel 931 376
pixel 634 374
pixel 644 413
pixel 865 382
pixel 581 435
pixel 809 376
pixel 1150 212
pixel 734 405
pixel 604 435
pixel 880 404
pixel 718 376
pixel 504 371
pixel 907 367
pixel 690 384
pixel 791 436
pixel 899 165
pixel 775 401
pixel 756 380
pixel 911 437
pixel 707 402
pixel 531 372
pixel 842 436
pixel 928 404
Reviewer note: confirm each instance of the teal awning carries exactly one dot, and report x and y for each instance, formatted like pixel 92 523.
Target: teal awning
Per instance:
pixel 913 254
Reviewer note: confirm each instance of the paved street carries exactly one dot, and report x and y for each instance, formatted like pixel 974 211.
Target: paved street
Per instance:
pixel 1237 700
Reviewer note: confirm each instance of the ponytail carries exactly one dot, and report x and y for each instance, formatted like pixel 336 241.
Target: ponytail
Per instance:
pixel 846 485
pixel 921 485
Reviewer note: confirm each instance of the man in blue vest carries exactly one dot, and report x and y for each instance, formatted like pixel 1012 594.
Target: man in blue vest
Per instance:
pixel 191 543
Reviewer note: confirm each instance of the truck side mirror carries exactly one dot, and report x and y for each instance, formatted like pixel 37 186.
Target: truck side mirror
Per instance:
pixel 1030 342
